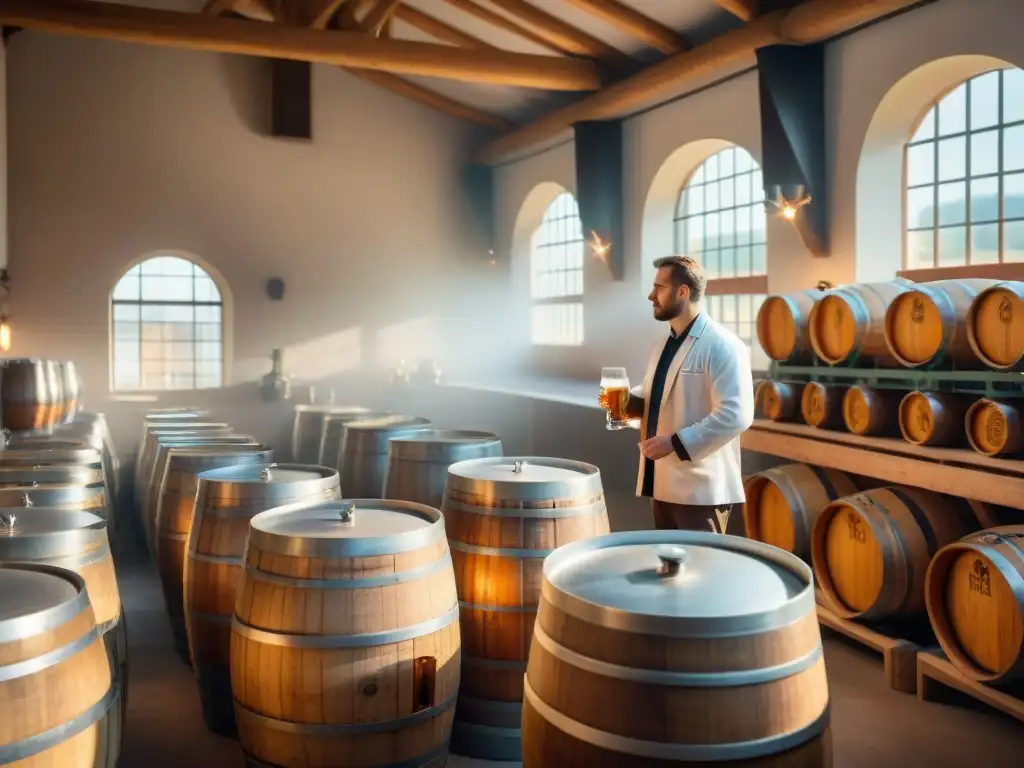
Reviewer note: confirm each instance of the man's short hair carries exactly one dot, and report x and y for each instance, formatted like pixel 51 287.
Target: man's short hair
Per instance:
pixel 685 271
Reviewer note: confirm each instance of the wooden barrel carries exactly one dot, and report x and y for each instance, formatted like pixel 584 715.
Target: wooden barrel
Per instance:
pixel 51 474
pixel 783 502
pixel 77 541
pixel 163 448
pixel 29 395
pixel 307 428
pixel 995 326
pixel 933 418
pixel 90 498
pixel 227 498
pixel 392 667
pixel 927 326
pixel 778 400
pixel 782 325
pixel 870 550
pixel 147 451
pixel 418 463
pixel 332 434
pixel 847 325
pixel 636 663
pixel 56 687
pixel 821 405
pixel 504 516
pixel 868 411
pixel 92 429
pixel 163 418
pixel 993 428
pixel 175 507
pixel 364 452
pixel 975 595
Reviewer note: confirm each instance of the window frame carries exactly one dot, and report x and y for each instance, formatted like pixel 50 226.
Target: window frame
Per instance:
pixel 735 286
pixel 222 302
pixel 572 300
pixel 1000 269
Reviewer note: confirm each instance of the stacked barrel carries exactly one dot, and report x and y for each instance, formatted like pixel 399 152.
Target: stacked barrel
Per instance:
pixel 57 512
pixel 899 332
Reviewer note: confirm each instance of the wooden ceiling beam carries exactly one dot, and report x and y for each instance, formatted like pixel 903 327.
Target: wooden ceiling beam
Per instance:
pixel 195 31
pixel 322 16
pixel 431 99
pixel 744 10
pixel 438 29
pixel 499 21
pixel 565 36
pixel 260 10
pixel 378 16
pixel 635 24
pixel 811 22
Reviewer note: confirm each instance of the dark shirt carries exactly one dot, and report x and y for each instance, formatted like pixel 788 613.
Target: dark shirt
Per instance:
pixel 668 353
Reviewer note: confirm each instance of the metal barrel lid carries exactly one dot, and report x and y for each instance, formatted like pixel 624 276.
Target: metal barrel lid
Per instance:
pixel 267 481
pixel 328 409
pixel 37 457
pixel 444 445
pixel 525 478
pixel 54 443
pixel 175 414
pixel 70 474
pixel 679 584
pixel 38 598
pixel 197 458
pixel 372 435
pixel 47 532
pixel 335 424
pixel 197 427
pixel 346 528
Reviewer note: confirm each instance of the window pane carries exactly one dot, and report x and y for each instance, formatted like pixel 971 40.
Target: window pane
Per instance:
pixel 1013 241
pixel 984 153
pixel 952 203
pixel 1013 95
pixel 984 243
pixel 984 101
pixel 952 246
pixel 985 199
pixel 921 207
pixel 953 111
pixel 952 158
pixel 127 287
pixel 1013 195
pixel 1013 148
pixel 921 164
pixel 927 128
pixel 921 249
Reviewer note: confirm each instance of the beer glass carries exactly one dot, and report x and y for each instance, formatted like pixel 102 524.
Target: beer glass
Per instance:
pixel 615 387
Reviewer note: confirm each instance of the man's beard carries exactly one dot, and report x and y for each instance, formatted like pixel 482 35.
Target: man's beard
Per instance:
pixel 668 313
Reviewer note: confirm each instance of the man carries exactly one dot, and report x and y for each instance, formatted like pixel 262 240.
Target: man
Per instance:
pixel 696 400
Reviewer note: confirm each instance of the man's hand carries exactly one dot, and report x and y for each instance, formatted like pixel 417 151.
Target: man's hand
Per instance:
pixel 657 447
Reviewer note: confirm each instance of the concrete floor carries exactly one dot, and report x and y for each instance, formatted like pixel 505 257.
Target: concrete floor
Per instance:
pixel 873 727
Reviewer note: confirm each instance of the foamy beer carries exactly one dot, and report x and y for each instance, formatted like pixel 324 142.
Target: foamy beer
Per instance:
pixel 615 390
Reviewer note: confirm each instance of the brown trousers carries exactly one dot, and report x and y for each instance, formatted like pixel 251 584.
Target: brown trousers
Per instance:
pixel 694 517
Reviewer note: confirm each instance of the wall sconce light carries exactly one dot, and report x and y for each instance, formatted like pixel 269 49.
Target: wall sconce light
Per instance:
pixel 5 323
pixel 789 207
pixel 824 285
pixel 598 246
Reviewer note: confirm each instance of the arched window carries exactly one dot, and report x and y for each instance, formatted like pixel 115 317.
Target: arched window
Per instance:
pixel 556 275
pixel 964 176
pixel 168 319
pixel 720 221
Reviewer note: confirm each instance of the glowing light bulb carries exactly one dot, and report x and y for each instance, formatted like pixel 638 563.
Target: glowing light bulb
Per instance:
pixel 5 335
pixel 788 212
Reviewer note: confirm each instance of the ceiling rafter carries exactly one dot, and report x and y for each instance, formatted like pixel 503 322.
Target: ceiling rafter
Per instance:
pixel 438 29
pixel 497 20
pixel 379 15
pixel 567 37
pixel 809 22
pixel 631 22
pixel 744 10
pixel 225 35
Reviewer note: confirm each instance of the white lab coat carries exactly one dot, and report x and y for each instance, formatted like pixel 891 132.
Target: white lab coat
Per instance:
pixel 708 401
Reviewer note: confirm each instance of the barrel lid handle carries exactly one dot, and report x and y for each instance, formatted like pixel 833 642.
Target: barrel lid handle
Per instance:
pixel 7 520
pixel 722 519
pixel 347 513
pixel 673 559
pixel 265 472
pixel 26 501
pixel 517 466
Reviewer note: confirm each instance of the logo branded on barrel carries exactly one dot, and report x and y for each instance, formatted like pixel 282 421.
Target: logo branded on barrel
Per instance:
pixel 979 579
pixel 856 532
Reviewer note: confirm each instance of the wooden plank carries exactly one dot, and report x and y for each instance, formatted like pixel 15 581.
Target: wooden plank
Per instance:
pixel 631 22
pixel 899 656
pixel 952 471
pixel 935 672
pixel 195 31
pixel 744 10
